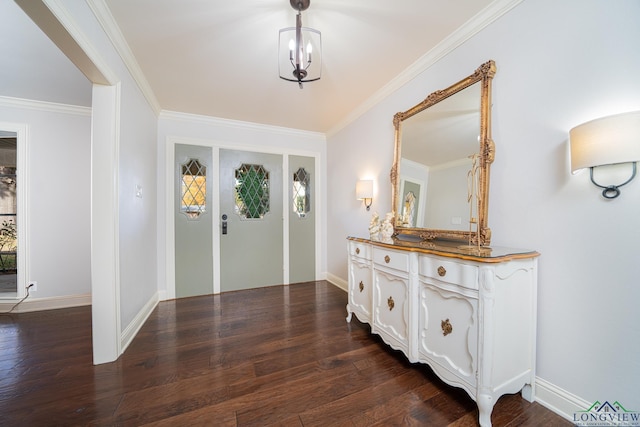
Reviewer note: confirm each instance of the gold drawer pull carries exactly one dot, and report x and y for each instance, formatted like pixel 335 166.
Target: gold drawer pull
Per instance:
pixel 361 286
pixel 387 259
pixel 357 251
pixel 446 327
pixel 441 271
pixel 390 303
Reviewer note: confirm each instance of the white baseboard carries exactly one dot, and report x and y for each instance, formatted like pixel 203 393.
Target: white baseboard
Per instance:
pixel 558 400
pixel 49 303
pixel 337 282
pixel 132 328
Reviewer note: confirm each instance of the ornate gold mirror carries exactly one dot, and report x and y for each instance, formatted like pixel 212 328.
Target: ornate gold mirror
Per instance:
pixel 443 152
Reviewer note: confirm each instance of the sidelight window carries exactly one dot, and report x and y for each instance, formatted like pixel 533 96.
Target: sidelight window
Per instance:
pixel 301 192
pixel 193 188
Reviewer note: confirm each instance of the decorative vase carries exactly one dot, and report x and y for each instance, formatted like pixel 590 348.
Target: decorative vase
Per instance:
pixel 386 230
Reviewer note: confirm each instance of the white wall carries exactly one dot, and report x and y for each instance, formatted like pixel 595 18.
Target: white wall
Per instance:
pixel 559 64
pixel 188 128
pixel 136 165
pixel 58 174
pixel 138 215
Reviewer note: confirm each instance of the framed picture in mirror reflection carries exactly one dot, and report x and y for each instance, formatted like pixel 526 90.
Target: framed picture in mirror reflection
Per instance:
pixel 412 209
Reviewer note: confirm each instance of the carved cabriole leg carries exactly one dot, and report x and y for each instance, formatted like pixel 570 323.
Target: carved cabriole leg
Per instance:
pixel 484 397
pixel 485 407
pixel 349 314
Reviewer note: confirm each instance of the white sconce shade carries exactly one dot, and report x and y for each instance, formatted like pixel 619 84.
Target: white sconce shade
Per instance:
pixel 364 191
pixel 606 141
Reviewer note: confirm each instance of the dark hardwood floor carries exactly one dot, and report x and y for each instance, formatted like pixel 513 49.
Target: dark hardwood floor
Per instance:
pixel 282 355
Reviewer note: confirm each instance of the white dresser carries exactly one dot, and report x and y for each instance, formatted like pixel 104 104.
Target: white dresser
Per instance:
pixel 470 314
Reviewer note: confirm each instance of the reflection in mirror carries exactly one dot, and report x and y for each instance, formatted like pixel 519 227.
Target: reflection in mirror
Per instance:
pixel 440 174
pixel 437 146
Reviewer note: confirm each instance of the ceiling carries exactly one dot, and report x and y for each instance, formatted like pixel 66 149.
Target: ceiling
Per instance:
pixel 219 58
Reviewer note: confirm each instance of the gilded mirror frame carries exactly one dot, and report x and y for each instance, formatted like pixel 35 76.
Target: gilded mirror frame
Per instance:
pixel 481 236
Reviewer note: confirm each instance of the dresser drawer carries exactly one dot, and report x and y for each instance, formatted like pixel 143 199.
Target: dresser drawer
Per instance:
pixel 360 250
pixel 391 259
pixel 447 271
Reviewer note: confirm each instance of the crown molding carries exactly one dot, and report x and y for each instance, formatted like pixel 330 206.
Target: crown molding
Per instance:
pixel 51 107
pixel 470 28
pixel 238 124
pixel 111 28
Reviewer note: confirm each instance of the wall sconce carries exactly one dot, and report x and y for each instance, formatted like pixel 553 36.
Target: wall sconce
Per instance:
pixel 606 141
pixel 364 191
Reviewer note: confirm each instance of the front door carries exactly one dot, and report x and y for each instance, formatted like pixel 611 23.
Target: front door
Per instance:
pixel 251 220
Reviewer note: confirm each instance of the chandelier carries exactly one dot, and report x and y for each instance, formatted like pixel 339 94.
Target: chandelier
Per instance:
pixel 300 50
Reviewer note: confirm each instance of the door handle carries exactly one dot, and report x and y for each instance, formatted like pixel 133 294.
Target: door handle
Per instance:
pixel 224 223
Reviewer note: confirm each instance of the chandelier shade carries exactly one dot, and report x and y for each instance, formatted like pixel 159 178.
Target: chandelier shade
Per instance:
pixel 299 50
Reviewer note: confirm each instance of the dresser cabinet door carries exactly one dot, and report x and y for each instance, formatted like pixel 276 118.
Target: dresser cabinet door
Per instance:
pixel 360 288
pixel 391 308
pixel 448 333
